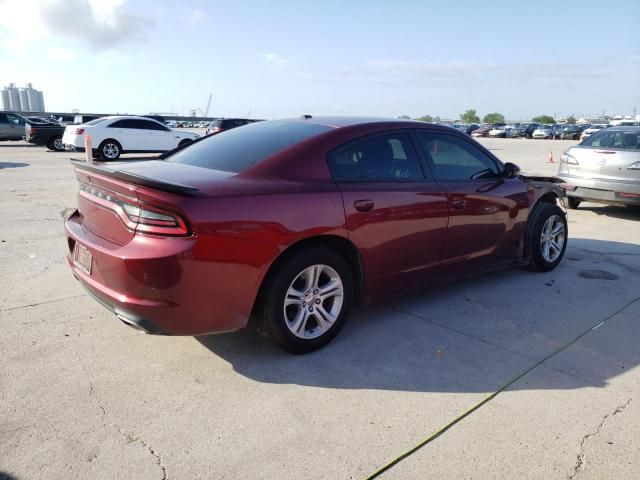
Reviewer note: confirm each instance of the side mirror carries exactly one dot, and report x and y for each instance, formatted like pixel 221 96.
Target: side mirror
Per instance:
pixel 511 170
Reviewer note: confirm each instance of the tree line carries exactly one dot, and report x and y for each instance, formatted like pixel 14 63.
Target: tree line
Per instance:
pixel 471 116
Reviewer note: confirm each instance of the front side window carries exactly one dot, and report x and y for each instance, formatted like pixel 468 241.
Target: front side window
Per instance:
pixel 15 119
pixel 455 159
pixel 614 139
pixel 148 125
pixel 388 157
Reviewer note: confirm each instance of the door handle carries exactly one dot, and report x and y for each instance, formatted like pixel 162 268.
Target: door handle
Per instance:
pixel 458 204
pixel 363 205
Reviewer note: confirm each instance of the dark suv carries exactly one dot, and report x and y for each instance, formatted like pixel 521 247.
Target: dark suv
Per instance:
pixel 223 124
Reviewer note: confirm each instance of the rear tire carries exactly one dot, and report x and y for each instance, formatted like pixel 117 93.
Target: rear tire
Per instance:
pixel 546 237
pixel 573 202
pixel 55 144
pixel 109 150
pixel 306 301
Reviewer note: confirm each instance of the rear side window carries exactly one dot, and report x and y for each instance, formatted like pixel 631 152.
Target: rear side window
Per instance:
pixel 455 159
pixel 614 139
pixel 387 157
pixel 96 121
pixel 123 124
pixel 241 148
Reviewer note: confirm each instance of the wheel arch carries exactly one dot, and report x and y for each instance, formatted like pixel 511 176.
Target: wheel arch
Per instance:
pixel 550 197
pixel 343 246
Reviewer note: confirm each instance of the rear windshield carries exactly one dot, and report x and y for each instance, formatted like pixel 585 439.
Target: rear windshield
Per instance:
pixel 96 121
pixel 614 139
pixel 241 148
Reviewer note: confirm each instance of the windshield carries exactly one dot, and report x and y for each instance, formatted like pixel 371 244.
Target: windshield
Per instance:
pixel 243 147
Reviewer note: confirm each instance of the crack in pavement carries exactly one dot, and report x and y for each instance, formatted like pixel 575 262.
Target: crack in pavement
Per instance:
pixel 580 461
pixel 501 347
pixel 131 438
pixel 41 303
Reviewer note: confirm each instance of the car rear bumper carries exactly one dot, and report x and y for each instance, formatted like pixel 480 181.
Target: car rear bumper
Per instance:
pixel 606 191
pixel 158 285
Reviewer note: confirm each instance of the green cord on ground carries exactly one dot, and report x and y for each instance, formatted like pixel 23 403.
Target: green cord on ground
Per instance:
pixel 435 435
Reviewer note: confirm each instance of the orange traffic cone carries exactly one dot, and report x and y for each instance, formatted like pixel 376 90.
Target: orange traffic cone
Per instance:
pixel 550 159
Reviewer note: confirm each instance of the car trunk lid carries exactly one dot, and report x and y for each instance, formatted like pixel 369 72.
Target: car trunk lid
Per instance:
pixel 110 195
pixel 604 163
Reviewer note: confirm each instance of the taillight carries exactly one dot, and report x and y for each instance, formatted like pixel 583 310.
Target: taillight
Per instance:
pixel 79 131
pixel 155 221
pixel 217 130
pixel 139 217
pixel 627 195
pixel 32 130
pixel 566 158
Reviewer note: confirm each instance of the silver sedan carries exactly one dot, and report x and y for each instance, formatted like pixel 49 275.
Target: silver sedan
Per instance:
pixel 604 168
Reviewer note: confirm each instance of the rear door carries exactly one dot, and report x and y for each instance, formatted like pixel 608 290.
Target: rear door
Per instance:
pixel 396 214
pixel 487 213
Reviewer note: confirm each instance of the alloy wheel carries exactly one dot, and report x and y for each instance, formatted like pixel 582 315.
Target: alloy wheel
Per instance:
pixel 110 150
pixel 313 301
pixel 57 144
pixel 552 238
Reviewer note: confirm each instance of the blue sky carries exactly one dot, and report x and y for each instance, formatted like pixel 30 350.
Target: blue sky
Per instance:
pixel 272 59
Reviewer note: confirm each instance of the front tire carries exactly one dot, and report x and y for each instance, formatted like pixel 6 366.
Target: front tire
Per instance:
pixel 306 301
pixel 546 237
pixel 109 150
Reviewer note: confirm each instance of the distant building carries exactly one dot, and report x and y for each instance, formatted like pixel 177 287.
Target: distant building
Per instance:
pixel 26 99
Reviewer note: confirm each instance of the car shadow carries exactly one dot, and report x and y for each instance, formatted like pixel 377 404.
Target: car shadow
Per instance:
pixel 13 165
pixel 22 145
pixel 622 213
pixel 470 336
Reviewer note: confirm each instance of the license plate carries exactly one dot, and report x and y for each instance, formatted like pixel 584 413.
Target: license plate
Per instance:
pixel 82 258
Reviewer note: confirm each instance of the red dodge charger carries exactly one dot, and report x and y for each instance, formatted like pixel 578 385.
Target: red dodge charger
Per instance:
pixel 289 222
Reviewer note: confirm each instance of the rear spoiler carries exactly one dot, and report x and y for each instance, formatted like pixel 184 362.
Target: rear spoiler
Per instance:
pixel 136 179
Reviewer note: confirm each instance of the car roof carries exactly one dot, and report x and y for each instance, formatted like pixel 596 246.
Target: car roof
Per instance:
pixel 621 128
pixel 349 121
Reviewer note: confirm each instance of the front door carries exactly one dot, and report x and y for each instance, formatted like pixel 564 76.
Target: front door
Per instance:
pixel 487 212
pixel 396 215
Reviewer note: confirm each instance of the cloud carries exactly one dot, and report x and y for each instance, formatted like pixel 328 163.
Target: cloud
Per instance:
pixel 102 24
pixel 274 60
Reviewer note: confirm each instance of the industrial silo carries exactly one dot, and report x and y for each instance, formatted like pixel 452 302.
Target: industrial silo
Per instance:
pixel 6 105
pixel 25 102
pixel 14 98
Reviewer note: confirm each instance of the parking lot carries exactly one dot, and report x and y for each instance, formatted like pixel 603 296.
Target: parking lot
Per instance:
pixel 83 396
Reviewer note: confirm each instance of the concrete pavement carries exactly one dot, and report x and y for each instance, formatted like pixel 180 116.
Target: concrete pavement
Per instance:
pixel 83 396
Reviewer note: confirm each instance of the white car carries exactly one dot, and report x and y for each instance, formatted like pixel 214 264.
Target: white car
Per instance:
pixel 500 131
pixel 542 132
pixel 591 130
pixel 113 136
